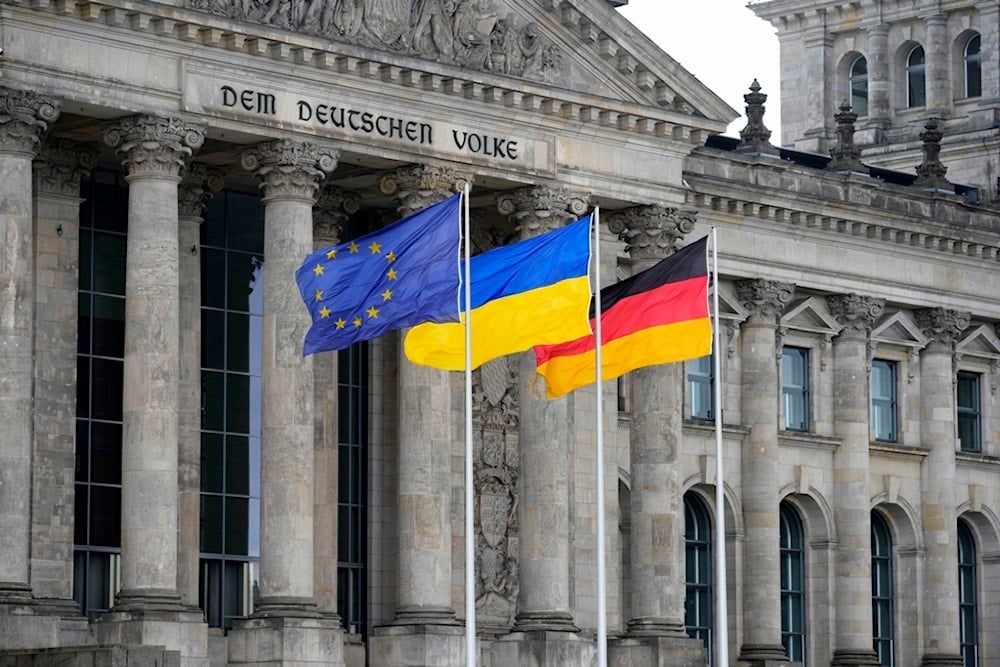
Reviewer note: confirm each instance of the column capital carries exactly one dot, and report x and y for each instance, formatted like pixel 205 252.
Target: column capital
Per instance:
pixel 153 145
pixel 60 165
pixel 418 186
pixel 333 206
pixel 198 183
pixel 856 313
pixel 651 232
pixel 539 209
pixel 24 118
pixel 765 299
pixel 942 327
pixel 290 169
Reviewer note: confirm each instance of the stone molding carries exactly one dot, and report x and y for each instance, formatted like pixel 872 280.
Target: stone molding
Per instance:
pixel 24 118
pixel 332 208
pixel 199 183
pixel 765 300
pixel 651 232
pixel 153 145
pixel 856 313
pixel 942 327
pixel 60 165
pixel 418 186
pixel 540 209
pixel 289 169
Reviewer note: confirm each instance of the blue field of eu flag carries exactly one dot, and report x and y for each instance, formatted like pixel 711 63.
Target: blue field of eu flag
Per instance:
pixel 394 278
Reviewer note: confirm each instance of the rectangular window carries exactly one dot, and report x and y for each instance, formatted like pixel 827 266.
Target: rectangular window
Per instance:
pixel 795 387
pixel 969 428
pixel 701 388
pixel 884 400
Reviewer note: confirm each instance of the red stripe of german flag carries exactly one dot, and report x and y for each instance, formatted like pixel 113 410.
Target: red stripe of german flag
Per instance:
pixel 657 316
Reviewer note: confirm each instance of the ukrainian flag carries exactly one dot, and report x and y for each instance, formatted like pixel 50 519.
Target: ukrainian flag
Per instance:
pixel 534 292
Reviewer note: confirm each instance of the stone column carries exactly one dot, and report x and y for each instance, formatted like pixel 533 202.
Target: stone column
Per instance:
pixel 937 499
pixel 936 72
pixel 57 173
pixel 427 631
pixel 765 300
pixel 330 212
pixel 878 80
pixel 24 117
pixel 851 494
pixel 198 183
pixel 154 150
pixel 655 442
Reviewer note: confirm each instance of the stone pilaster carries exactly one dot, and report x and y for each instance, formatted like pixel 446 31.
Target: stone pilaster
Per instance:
pixel 878 81
pixel 198 183
pixel 148 609
pixel 426 631
pixel 333 206
pixel 937 502
pixel 655 441
pixel 24 118
pixel 765 300
pixel 851 495
pixel 57 173
pixel 936 72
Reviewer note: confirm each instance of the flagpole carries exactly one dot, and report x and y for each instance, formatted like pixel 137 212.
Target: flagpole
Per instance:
pixel 602 604
pixel 721 615
pixel 470 536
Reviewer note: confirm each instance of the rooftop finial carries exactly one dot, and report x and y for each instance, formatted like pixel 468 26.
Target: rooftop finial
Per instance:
pixel 846 156
pixel 930 172
pixel 754 137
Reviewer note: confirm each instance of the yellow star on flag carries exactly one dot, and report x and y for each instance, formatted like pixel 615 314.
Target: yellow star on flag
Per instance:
pixel 391 274
pixel 386 295
pixel 324 312
pixel 318 270
pixel 375 247
pixel 372 312
pixel 391 256
pixel 353 247
pixel 332 253
pixel 319 295
pixel 340 322
pixel 357 321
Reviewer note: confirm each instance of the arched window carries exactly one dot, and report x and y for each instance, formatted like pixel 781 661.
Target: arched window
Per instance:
pixel 916 90
pixel 968 607
pixel 793 598
pixel 882 611
pixel 973 68
pixel 859 86
pixel 698 552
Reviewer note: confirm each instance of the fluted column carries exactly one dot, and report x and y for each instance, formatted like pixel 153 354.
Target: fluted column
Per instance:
pixel 851 494
pixel 938 81
pixel 154 151
pixel 765 300
pixel 878 77
pixel 290 173
pixel 937 499
pixel 57 173
pixel 546 446
pixel 198 183
pixel 330 212
pixel 425 442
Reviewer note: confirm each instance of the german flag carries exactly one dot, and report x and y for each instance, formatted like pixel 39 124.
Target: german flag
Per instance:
pixel 657 316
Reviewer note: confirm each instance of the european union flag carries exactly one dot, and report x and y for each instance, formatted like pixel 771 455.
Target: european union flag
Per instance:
pixel 394 278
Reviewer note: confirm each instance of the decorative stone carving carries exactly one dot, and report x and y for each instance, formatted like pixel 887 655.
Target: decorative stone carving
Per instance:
pixel 333 206
pixel 856 313
pixel 471 33
pixel 60 166
pixel 764 299
pixel 418 186
pixel 930 172
pixel 153 145
pixel 541 209
pixel 24 118
pixel 289 168
pixel 942 327
pixel 651 232
pixel 846 156
pixel 754 138
pixel 198 183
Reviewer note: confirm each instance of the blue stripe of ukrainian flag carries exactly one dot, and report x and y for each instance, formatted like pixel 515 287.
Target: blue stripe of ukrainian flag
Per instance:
pixel 533 292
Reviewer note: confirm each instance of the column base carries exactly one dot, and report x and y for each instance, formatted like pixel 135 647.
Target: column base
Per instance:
pixel 544 621
pixel 543 649
pixel 654 627
pixel 418 646
pixel 848 657
pixel 763 655
pixel 159 624
pixel 21 627
pixel 286 606
pixel 276 641
pixel 662 651
pixel 941 660
pixel 425 616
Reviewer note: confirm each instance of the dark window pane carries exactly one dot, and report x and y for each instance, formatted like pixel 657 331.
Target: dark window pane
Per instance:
pixel 83 323
pixel 105 516
pixel 237 526
pixel 213 339
pixel 83 387
pixel 82 458
pixel 211 524
pixel 213 230
pixel 238 343
pixel 109 263
pixel 213 278
pixel 238 406
pixel 240 281
pixel 213 400
pixel 246 223
pixel 80 523
pixel 106 389
pixel 106 453
pixel 211 462
pixel 237 465
pixel 109 326
pixel 86 260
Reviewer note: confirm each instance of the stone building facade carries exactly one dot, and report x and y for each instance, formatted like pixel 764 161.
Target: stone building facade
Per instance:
pixel 181 487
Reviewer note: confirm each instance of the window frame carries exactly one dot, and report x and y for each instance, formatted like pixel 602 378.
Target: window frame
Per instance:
pixel 800 392
pixel 915 98
pixel 968 583
pixel 972 414
pixel 973 62
pixel 856 80
pixel 883 590
pixel 698 588
pixel 793 580
pixel 889 404
pixel 698 377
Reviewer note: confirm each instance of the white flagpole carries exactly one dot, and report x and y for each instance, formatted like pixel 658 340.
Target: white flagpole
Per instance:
pixel 470 536
pixel 721 644
pixel 602 593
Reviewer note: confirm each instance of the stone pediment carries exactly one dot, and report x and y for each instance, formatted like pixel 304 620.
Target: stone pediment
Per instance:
pixel 810 314
pixel 898 328
pixel 582 46
pixel 730 308
pixel 980 342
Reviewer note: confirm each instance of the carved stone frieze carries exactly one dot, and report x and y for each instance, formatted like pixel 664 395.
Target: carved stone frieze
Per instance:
pixel 153 145
pixel 24 118
pixel 856 313
pixel 651 232
pixel 471 33
pixel 198 183
pixel 764 299
pixel 418 186
pixel 333 206
pixel 60 166
pixel 942 327
pixel 289 168
pixel 541 209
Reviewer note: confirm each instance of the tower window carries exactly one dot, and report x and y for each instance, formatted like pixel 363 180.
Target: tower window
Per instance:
pixel 916 87
pixel 859 86
pixel 973 68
